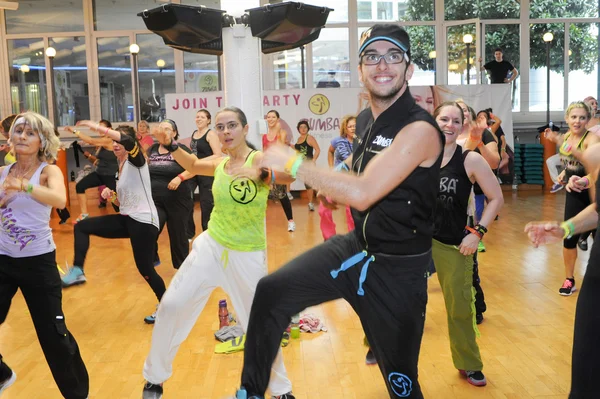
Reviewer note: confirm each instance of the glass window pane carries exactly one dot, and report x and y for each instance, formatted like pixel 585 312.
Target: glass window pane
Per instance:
pixel 201 72
pixel 34 16
pixel 563 8
pixel 385 11
pixel 365 12
pixel 286 69
pixel 114 69
pixel 70 80
pixel 339 13
pixel 584 51
pixel 330 58
pixel 423 56
pixel 508 38
pixel 416 10
pixel 156 74
pixel 27 71
pixel 538 70
pixel 457 55
pixel 456 10
pixel 122 15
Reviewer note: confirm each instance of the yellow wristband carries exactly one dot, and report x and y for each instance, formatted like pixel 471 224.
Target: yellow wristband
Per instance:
pixel 290 162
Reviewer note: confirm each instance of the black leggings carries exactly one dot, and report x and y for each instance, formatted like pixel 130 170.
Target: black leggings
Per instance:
pixel 143 240
pixel 38 279
pixel 287 207
pixel 96 180
pixel 575 203
pixel 585 367
pixel 392 309
pixel 175 212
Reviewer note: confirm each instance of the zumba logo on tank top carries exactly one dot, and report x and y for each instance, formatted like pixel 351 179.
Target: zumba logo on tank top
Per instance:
pixel 243 190
pixel 447 190
pixel 17 234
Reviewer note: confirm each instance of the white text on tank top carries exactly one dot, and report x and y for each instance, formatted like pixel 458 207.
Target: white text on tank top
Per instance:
pixel 25 223
pixel 135 194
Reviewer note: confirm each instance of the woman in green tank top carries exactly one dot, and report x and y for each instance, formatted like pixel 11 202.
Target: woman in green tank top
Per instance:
pixel 230 254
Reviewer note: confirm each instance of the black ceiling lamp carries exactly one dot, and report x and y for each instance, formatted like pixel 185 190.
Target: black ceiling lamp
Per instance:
pixel 281 26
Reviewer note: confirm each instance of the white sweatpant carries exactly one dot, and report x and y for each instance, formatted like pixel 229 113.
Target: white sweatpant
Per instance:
pixel 555 166
pixel 209 265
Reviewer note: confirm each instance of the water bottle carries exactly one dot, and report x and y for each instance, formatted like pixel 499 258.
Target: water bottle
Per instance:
pixel 295 330
pixel 241 394
pixel 72 175
pixel 223 314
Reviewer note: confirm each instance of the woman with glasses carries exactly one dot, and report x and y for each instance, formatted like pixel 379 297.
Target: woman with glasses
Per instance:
pixel 230 254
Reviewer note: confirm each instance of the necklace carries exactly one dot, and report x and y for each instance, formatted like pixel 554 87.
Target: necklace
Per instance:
pixel 21 176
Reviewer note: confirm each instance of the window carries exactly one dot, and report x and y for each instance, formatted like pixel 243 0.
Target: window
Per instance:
pixel 459 62
pixel 114 69
pixel 122 15
pixel 385 11
pixel 27 69
pixel 330 58
pixel 365 12
pixel 422 56
pixel 583 61
pixel 508 38
pixel 416 10
pixel 563 8
pixel 538 67
pixel 70 80
pixel 156 75
pixel 34 16
pixel 286 69
pixel 201 73
pixel 457 10
pixel 340 10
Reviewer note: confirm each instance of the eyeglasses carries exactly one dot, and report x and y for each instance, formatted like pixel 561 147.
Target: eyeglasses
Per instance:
pixel 393 57
pixel 230 126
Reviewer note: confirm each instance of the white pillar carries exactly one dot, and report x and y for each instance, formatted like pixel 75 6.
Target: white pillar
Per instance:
pixel 242 69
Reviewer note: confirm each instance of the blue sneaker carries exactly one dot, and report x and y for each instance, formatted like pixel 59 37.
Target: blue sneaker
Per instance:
pixel 75 276
pixel 243 394
pixel 556 187
pixel 152 318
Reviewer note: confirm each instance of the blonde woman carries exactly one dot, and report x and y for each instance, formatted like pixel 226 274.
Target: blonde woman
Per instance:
pixel 29 189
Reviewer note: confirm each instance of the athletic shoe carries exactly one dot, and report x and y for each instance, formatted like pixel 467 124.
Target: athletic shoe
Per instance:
pixel 152 391
pixel 568 287
pixel 152 318
pixel 582 244
pixel 81 217
pixel 64 215
pixel 288 395
pixel 242 394
pixel 311 207
pixel 291 225
pixel 10 378
pixel 75 276
pixel 474 377
pixel 479 318
pixel 480 247
pixel 370 358
pixel 290 196
pixel 556 187
pixel 102 205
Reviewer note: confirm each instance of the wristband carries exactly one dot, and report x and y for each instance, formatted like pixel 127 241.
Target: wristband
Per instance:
pixel 272 176
pixel 569 229
pixel 480 229
pixel 480 145
pixel 76 132
pixel 113 196
pixel 290 162
pixel 29 189
pixel 296 166
pixel 473 231
pixel 181 177
pixel 587 184
pixel 172 146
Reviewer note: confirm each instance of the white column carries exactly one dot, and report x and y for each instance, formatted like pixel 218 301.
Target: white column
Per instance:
pixel 242 69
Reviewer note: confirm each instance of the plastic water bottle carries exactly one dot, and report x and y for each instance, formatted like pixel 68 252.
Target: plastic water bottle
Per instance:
pixel 223 314
pixel 241 394
pixel 295 330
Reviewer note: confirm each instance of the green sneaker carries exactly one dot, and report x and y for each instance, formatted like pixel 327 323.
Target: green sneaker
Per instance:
pixel 481 247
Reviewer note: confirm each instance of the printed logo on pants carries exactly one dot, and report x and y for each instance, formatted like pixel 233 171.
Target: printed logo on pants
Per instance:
pixel 401 384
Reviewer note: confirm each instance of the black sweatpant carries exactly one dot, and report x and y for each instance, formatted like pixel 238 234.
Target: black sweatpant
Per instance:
pixel 204 184
pixel 287 207
pixel 39 281
pixel 480 306
pixel 175 211
pixel 96 180
pixel 585 367
pixel 143 241
pixel 392 309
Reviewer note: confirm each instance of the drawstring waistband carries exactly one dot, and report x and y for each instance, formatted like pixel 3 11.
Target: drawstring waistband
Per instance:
pixel 351 261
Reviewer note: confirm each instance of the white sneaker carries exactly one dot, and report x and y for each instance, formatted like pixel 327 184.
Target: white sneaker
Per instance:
pixel 311 207
pixel 291 225
pixel 290 196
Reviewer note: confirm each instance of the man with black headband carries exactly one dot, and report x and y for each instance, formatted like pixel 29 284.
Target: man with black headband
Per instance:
pixel 380 268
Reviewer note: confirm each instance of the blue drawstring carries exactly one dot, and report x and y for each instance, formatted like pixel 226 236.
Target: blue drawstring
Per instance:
pixel 353 260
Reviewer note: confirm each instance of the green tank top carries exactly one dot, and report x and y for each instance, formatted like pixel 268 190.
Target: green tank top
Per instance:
pixel 238 218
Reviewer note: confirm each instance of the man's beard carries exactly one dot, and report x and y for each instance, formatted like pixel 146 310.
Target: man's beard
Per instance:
pixel 393 92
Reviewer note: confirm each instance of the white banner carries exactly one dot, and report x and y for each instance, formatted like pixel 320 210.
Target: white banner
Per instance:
pixel 325 108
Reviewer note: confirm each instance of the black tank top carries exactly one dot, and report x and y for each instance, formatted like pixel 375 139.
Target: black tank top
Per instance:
pixel 201 147
pixel 107 163
pixel 401 223
pixel 305 149
pixel 452 200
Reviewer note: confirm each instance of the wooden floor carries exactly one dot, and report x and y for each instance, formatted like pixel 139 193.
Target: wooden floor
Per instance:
pixel 525 338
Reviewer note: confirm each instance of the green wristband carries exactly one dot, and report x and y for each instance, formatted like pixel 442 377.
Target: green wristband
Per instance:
pixel 29 188
pixel 296 166
pixel 569 228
